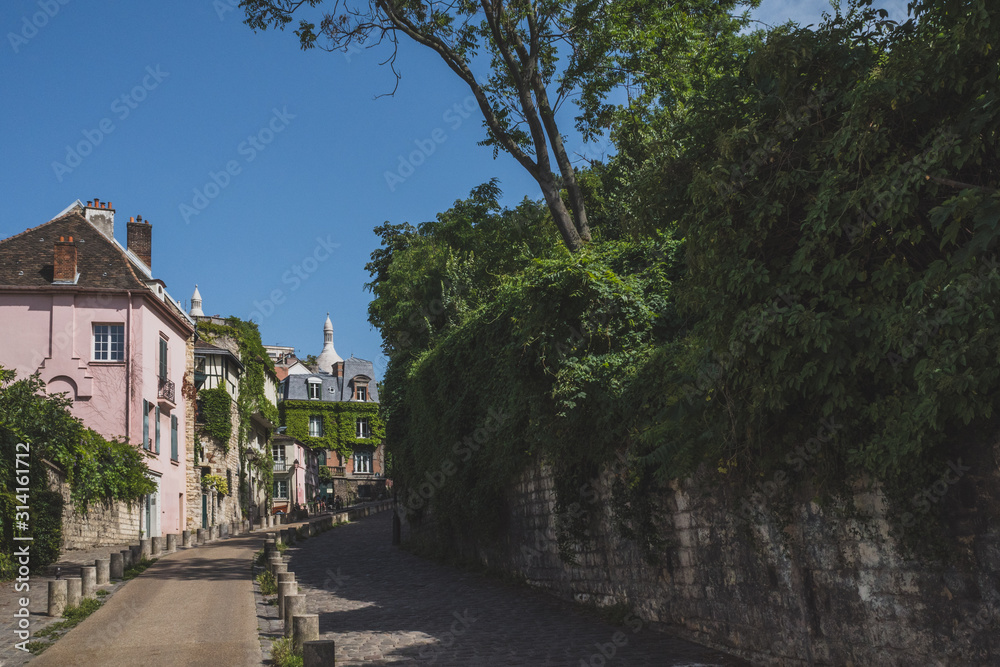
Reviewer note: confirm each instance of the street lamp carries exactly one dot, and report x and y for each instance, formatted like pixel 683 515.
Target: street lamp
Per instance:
pixel 250 457
pixel 295 479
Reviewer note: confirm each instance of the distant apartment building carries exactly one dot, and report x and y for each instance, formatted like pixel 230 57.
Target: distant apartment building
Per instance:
pixel 296 474
pixel 88 315
pixel 334 411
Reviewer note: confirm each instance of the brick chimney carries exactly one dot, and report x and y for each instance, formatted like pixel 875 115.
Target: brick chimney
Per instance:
pixel 340 368
pixel 64 261
pixel 101 216
pixel 140 239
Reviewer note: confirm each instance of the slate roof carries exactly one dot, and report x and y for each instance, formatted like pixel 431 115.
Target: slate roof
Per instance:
pixel 26 258
pixel 295 387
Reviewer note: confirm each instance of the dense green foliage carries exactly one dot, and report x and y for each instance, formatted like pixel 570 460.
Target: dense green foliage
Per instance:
pixel 96 470
pixel 339 424
pixel 217 414
pixel 257 369
pixel 798 235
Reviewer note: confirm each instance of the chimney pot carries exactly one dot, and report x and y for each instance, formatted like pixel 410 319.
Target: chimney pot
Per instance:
pixel 90 202
pixel 97 202
pixel 109 205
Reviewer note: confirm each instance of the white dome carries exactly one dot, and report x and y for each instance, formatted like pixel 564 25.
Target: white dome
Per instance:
pixel 328 357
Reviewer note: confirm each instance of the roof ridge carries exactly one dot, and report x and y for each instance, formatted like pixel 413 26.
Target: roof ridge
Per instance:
pixel 37 227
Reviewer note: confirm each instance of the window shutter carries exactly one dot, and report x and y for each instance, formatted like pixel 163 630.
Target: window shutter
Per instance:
pixel 173 437
pixel 163 359
pixel 156 428
pixel 145 424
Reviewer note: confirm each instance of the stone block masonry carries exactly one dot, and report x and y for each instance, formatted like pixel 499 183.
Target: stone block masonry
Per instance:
pixel 828 585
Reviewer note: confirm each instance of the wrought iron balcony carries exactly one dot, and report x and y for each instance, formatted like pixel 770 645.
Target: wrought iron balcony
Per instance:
pixel 280 466
pixel 165 391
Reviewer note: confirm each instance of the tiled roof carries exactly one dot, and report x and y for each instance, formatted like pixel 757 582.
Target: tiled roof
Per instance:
pixel 26 258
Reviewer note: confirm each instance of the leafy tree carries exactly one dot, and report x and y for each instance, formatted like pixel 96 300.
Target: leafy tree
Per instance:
pixel 97 470
pixel 526 83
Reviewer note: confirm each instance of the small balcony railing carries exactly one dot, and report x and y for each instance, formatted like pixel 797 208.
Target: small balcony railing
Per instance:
pixel 280 466
pixel 165 390
pixel 335 471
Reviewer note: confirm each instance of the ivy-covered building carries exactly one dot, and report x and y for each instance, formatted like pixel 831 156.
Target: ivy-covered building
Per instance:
pixel 234 391
pixel 334 410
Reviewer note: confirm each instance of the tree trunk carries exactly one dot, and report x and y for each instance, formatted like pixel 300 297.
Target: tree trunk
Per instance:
pixel 562 159
pixel 560 215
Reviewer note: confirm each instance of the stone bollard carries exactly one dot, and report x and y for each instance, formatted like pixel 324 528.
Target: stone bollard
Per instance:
pixel 145 549
pixel 273 561
pixel 186 538
pixel 234 529
pixel 126 558
pixel 280 567
pixel 285 589
pixel 270 521
pixel 74 591
pixel 103 568
pixel 117 569
pixel 289 536
pixel 155 546
pixel 136 552
pixel 57 597
pixel 88 586
pixel 295 605
pixel 270 547
pixel 305 628
pixel 201 536
pixel 319 653
pixel 211 533
pixel 172 542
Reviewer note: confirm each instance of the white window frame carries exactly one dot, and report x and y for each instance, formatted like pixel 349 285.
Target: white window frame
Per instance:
pixel 360 389
pixel 363 429
pixel 316 419
pixel 103 336
pixel 317 387
pixel 363 462
pixel 278 483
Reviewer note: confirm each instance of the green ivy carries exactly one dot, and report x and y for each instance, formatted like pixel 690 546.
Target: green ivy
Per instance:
pixel 97 470
pixel 252 400
pixel 339 424
pixel 217 414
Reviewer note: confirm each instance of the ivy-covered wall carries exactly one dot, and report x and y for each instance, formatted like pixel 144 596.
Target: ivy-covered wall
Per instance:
pixel 339 424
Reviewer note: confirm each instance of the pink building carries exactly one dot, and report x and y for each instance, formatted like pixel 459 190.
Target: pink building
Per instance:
pixel 296 473
pixel 87 314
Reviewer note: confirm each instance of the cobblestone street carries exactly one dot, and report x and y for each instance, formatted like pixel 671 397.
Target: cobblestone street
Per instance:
pixel 385 606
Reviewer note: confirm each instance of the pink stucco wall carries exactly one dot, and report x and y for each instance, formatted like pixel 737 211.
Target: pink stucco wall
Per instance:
pixel 51 331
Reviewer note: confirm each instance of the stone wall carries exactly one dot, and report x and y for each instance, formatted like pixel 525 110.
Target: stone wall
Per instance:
pixel 99 527
pixel 826 585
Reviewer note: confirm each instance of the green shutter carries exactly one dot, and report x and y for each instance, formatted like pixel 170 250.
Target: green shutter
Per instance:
pixel 163 359
pixel 145 424
pixel 173 437
pixel 156 415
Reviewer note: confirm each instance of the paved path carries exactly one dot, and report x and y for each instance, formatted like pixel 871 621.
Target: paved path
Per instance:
pixel 191 608
pixel 385 606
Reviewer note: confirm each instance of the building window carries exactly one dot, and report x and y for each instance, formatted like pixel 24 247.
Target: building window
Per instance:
pixel 361 392
pixel 363 431
pixel 109 342
pixel 321 457
pixel 362 462
pixel 315 390
pixel 281 489
pixel 163 358
pixel 173 437
pixel 278 454
pixel 316 426
pixel 145 424
pixel 156 429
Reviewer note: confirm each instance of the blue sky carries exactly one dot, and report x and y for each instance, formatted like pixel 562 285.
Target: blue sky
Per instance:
pixel 263 169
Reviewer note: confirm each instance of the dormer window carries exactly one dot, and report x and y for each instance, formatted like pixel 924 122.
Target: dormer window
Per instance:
pixel 315 388
pixel 360 388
